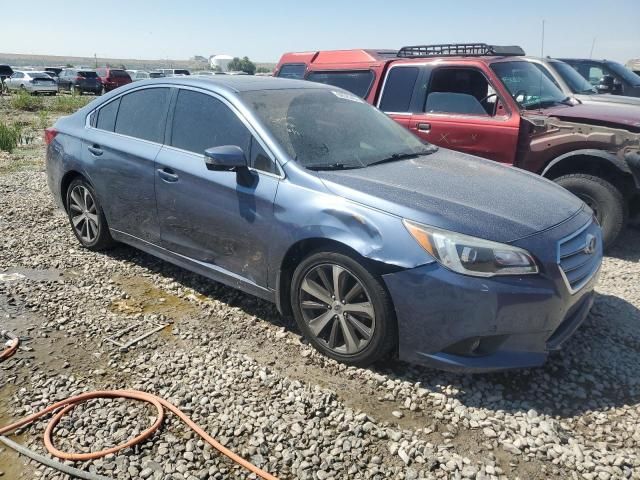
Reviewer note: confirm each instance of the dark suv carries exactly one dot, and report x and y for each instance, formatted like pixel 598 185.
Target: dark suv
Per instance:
pixel 607 76
pixel 79 81
pixel 489 101
pixel 112 78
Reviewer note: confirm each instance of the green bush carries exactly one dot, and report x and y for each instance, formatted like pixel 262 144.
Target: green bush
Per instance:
pixel 68 103
pixel 25 101
pixel 10 136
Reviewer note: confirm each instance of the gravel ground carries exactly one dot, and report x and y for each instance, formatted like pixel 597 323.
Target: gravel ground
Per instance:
pixel 229 361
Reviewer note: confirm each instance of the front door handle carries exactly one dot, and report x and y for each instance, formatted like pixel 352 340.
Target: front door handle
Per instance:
pixel 167 174
pixel 424 127
pixel 95 150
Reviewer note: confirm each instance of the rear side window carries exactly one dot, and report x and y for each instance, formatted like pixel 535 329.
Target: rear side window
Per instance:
pixel 398 89
pixel 107 116
pixel 358 82
pixel 201 121
pixel 292 70
pixel 142 114
pixel 118 74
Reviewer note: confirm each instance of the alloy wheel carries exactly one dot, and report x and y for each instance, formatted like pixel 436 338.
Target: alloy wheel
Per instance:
pixel 337 309
pixel 84 214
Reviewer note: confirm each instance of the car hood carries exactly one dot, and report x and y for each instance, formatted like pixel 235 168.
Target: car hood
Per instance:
pixel 458 192
pixel 608 98
pixel 624 115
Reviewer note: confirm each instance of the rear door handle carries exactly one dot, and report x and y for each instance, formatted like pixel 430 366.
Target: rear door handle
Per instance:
pixel 167 174
pixel 424 127
pixel 95 150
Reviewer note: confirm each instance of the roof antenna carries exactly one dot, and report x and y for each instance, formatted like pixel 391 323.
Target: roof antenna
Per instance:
pixel 542 46
pixel 593 44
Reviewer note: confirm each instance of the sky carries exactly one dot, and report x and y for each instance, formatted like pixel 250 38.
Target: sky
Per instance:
pixel 263 30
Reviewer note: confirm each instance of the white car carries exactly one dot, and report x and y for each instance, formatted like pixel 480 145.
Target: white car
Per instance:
pixel 138 75
pixel 32 82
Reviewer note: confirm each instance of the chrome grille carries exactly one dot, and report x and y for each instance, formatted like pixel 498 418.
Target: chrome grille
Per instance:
pixel 579 256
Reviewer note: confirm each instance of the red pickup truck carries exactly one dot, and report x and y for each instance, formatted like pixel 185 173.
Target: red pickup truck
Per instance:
pixel 484 100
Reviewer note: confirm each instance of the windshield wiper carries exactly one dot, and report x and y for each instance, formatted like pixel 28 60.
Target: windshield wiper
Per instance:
pixel 403 156
pixel 331 166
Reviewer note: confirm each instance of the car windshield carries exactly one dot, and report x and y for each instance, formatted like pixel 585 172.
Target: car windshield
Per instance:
pixel 332 129
pixel 624 72
pixel 528 85
pixel 576 82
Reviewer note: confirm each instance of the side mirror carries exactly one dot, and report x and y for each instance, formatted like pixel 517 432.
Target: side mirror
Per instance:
pixel 225 158
pixel 606 84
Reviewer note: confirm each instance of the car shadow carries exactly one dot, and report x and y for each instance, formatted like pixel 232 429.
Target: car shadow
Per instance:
pixel 596 369
pixel 628 245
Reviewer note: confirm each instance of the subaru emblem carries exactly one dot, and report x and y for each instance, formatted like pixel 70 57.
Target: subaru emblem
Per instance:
pixel 590 244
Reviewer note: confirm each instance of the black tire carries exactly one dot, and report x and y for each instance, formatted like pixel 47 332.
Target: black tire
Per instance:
pixel 605 199
pixel 99 238
pixel 383 337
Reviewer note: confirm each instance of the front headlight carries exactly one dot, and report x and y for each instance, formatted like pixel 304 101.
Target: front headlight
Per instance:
pixel 470 255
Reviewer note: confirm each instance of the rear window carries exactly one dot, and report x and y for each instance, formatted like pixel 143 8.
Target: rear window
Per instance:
pixel 292 70
pixel 357 82
pixel 142 114
pixel 181 72
pixel 398 89
pixel 41 75
pixel 88 74
pixel 118 74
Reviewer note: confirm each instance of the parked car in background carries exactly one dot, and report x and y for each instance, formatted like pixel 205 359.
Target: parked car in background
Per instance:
pixel 32 82
pixel 174 72
pixel 79 81
pixel 334 212
pixel 574 85
pixel 55 70
pixel 5 72
pixel 138 75
pixel 207 73
pixel 607 76
pixel 156 74
pixel 491 102
pixel 112 78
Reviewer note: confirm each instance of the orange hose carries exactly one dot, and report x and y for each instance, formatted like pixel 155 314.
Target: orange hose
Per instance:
pixel 69 403
pixel 13 346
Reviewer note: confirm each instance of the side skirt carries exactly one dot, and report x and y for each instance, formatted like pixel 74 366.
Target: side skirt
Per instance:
pixel 208 270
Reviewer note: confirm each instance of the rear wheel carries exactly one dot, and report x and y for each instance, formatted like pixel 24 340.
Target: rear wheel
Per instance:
pixel 343 309
pixel 605 200
pixel 86 216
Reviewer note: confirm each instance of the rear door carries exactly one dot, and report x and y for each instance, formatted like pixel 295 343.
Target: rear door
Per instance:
pixel 222 218
pixel 120 151
pixel 454 107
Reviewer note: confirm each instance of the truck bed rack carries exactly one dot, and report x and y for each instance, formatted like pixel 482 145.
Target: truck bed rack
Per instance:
pixel 459 50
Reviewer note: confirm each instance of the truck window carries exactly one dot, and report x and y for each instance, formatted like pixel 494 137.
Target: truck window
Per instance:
pixel 462 91
pixel 398 89
pixel 357 82
pixel 292 70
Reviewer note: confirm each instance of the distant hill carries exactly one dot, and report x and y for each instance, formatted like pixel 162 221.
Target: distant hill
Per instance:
pixel 22 60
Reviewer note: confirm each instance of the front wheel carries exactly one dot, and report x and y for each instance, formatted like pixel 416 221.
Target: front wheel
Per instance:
pixel 86 216
pixel 343 309
pixel 605 200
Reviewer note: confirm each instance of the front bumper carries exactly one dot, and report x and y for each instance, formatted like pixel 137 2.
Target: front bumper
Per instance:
pixel 461 323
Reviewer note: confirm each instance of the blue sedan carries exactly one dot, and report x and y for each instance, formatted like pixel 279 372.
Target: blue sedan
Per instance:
pixel 304 195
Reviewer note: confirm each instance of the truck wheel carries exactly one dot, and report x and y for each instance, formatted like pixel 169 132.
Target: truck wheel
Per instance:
pixel 604 199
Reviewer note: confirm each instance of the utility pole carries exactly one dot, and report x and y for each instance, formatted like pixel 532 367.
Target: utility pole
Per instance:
pixel 95 57
pixel 593 45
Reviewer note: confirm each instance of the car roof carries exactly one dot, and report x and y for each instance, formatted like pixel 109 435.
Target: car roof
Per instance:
pixel 238 83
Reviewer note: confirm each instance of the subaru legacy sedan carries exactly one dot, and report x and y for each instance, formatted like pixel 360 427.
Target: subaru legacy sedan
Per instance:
pixel 304 195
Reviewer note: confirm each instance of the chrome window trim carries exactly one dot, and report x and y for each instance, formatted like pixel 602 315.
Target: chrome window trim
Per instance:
pixel 591 274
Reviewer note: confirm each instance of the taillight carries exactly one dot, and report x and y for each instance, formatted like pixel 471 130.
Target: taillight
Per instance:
pixel 49 134
pixel 79 78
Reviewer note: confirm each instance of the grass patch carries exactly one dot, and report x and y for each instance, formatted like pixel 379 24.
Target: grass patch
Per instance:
pixel 25 101
pixel 68 103
pixel 10 136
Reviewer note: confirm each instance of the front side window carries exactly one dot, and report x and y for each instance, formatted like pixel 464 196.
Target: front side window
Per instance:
pixel 107 116
pixel 461 91
pixel 398 89
pixel 321 128
pixel 142 114
pixel 356 82
pixel 292 70
pixel 201 121
pixel 528 86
